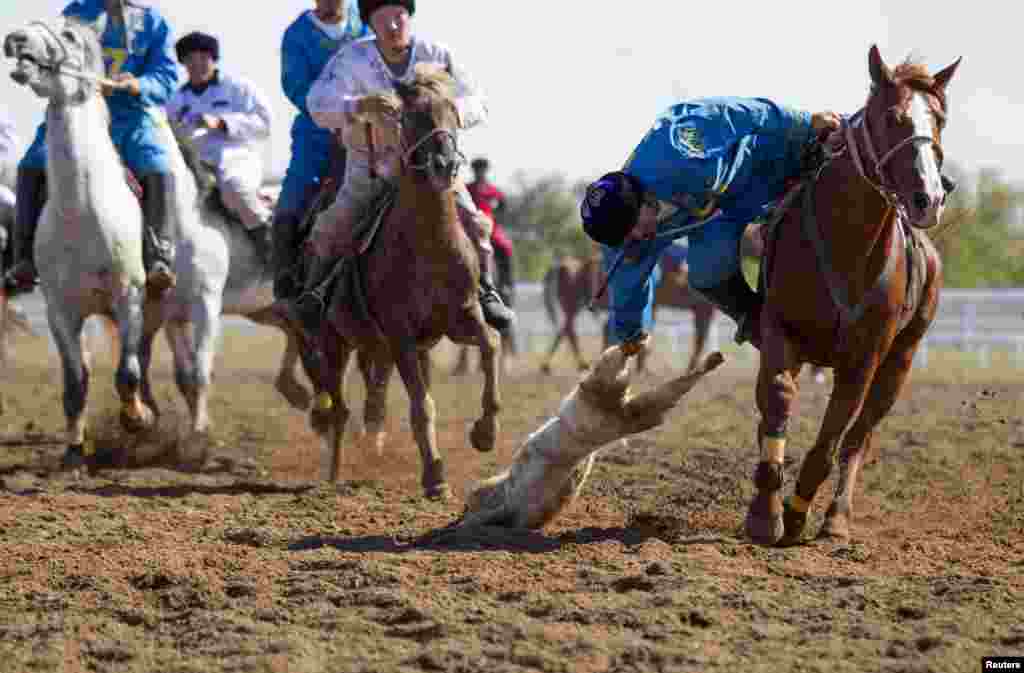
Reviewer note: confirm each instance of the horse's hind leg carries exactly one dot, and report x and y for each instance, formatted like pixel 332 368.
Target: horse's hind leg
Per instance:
pixel 67 333
pixel 545 366
pixel 885 389
pixel 135 415
pixel 422 413
pixel 205 316
pixel 703 314
pixel 286 383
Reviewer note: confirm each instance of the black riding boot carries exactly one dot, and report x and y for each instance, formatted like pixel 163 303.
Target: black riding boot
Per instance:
pixel 158 245
pixel 286 285
pixel 734 298
pixel 261 238
pixel 31 197
pixel 312 302
pixel 496 313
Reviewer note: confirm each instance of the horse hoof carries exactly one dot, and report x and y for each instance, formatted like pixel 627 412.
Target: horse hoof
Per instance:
pixel 135 419
pixel 439 492
pixel 545 369
pixel 484 434
pixel 74 459
pixel 764 522
pixel 794 523
pixel 294 393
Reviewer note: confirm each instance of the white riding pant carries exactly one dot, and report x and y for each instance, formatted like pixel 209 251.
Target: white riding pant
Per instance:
pixel 240 185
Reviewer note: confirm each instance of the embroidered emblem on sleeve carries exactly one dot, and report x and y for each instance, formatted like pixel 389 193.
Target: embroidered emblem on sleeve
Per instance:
pixel 690 139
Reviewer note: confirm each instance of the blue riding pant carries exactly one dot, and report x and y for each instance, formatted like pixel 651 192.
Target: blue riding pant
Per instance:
pixel 309 163
pixel 135 138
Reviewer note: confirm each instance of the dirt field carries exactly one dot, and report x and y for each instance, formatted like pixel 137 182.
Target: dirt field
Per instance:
pixel 251 565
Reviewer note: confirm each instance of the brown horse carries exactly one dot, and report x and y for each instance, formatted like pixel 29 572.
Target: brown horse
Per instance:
pixel 852 283
pixel 572 282
pixel 417 282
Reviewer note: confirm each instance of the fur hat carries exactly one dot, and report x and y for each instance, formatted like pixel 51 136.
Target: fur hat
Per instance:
pixel 197 41
pixel 610 208
pixel 368 7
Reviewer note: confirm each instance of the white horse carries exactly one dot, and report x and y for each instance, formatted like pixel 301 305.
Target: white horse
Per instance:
pixel 89 243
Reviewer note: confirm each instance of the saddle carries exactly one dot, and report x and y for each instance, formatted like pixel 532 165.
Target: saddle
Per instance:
pixel 345 282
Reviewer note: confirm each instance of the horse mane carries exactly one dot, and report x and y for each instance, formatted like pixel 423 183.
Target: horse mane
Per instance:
pixel 432 77
pixel 205 179
pixel 913 73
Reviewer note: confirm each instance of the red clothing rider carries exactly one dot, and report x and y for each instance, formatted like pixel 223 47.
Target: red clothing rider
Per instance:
pixel 490 200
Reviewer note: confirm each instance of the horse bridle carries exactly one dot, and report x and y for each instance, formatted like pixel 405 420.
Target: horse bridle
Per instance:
pixel 57 65
pixel 883 185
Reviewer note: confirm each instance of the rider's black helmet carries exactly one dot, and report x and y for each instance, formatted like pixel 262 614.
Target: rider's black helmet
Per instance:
pixel 368 7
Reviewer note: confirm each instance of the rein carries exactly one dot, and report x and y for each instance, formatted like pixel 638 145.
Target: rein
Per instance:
pixel 58 65
pixel 883 185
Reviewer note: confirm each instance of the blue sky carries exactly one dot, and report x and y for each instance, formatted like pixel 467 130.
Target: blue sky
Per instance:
pixel 573 85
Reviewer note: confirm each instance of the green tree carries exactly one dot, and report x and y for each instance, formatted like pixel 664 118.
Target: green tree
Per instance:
pixel 542 217
pixel 980 238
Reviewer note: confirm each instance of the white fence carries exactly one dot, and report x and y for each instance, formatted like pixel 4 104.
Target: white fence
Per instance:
pixel 973 321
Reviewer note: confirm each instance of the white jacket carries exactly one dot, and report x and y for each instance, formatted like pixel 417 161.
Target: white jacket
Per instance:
pixel 246 114
pixel 358 69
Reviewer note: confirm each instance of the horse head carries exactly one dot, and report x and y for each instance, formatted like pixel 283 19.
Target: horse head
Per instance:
pixel 904 118
pixel 428 122
pixel 59 59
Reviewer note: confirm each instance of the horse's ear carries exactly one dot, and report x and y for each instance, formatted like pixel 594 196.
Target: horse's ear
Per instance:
pixel 943 76
pixel 880 72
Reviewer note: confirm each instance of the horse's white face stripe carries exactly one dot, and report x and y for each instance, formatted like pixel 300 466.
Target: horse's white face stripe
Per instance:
pixel 924 161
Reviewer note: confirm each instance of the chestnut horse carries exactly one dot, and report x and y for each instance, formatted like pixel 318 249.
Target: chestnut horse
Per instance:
pixel 417 282
pixel 572 282
pixel 851 282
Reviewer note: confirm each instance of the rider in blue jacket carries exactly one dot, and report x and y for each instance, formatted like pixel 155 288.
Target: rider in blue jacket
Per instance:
pixel 309 42
pixel 705 169
pixel 138 53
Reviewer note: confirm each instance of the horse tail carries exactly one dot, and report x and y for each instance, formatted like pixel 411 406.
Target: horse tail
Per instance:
pixel 550 290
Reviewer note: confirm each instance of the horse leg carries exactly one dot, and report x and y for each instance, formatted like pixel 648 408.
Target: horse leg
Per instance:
pixel 484 434
pixel 135 415
pixel 776 394
pixel 330 412
pixel 205 316
pixel 884 390
pixel 574 342
pixel 67 333
pixel 286 383
pixel 145 359
pixel 422 413
pixel 462 364
pixel 545 366
pixel 702 315
pixel 376 369
pixel 848 395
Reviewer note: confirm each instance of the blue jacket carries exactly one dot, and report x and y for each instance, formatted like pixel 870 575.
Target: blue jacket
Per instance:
pixel 737 152
pixel 305 51
pixel 732 155
pixel 147 51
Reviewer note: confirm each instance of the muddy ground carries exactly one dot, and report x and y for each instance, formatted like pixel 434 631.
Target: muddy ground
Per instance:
pixel 251 564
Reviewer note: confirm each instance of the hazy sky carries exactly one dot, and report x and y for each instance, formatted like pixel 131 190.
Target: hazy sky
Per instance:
pixel 573 86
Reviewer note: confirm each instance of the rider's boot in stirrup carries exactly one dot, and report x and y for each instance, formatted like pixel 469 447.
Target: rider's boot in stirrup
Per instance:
pixel 31 197
pixel 736 299
pixel 157 238
pixel 495 312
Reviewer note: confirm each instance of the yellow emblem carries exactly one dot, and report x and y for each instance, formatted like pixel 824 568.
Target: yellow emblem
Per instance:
pixel 690 139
